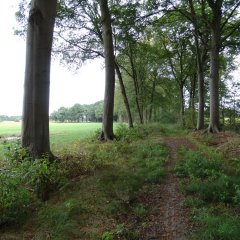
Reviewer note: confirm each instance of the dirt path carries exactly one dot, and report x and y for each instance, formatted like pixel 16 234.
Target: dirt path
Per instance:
pixel 168 220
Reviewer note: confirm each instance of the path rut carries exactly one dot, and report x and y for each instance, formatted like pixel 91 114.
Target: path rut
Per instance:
pixel 168 220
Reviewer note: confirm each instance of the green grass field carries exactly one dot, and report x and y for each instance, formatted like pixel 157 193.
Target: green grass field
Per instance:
pixel 65 133
pixel 61 134
pixel 10 128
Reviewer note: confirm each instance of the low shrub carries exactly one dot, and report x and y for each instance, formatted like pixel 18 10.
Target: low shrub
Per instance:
pixel 208 180
pixel 196 165
pixel 124 133
pixel 14 197
pixel 214 194
pixel 21 180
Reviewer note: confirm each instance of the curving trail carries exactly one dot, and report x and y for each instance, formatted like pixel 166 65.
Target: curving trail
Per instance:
pixel 168 220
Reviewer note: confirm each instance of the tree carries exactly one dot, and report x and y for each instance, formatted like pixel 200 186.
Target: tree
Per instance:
pixel 220 20
pixel 223 25
pixel 35 124
pixel 124 95
pixel 215 24
pixel 177 41
pixel 201 35
pixel 80 29
pixel 107 129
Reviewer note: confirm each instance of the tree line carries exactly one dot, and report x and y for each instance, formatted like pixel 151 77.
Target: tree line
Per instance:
pixel 79 113
pixel 172 60
pixel 10 118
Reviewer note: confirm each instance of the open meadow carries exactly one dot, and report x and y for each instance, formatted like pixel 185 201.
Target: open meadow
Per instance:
pixel 61 134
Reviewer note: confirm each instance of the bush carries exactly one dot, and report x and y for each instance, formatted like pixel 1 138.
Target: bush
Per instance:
pixel 124 133
pixel 194 164
pixel 14 197
pixel 22 179
pixel 208 180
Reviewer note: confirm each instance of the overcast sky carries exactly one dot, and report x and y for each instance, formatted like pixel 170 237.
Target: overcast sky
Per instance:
pixel 67 88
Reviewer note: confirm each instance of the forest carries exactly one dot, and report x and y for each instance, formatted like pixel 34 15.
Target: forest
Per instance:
pixel 165 163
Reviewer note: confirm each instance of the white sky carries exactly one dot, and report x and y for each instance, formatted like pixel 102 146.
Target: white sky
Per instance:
pixel 85 87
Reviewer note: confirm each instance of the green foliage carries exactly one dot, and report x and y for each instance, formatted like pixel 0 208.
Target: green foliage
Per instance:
pixel 103 180
pixel 107 236
pixel 139 211
pixel 146 167
pixel 122 232
pixel 12 118
pixel 196 165
pixel 211 192
pixel 124 133
pixel 208 180
pixel 14 197
pixel 222 226
pixel 58 220
pixel 21 179
pixel 79 113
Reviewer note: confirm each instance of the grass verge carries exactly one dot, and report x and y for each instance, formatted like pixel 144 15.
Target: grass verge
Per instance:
pixel 212 195
pixel 99 183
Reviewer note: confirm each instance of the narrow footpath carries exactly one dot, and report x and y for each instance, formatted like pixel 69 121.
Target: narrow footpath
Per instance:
pixel 168 220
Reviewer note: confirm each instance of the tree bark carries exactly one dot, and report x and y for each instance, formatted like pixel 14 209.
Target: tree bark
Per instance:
pixel 182 104
pixel 200 52
pixel 192 99
pixel 201 101
pixel 152 100
pixel 35 124
pixel 136 87
pixel 214 124
pixel 107 129
pixel 124 94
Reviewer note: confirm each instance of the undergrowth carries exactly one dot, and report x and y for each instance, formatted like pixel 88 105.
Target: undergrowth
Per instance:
pixel 213 195
pixel 23 182
pixel 92 185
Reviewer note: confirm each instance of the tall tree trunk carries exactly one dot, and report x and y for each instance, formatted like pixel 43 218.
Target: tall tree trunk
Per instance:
pixel 200 76
pixel 124 94
pixel 214 124
pixel 152 99
pixel 192 99
pixel 136 87
pixel 200 52
pixel 182 105
pixel 35 125
pixel 223 115
pixel 107 129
